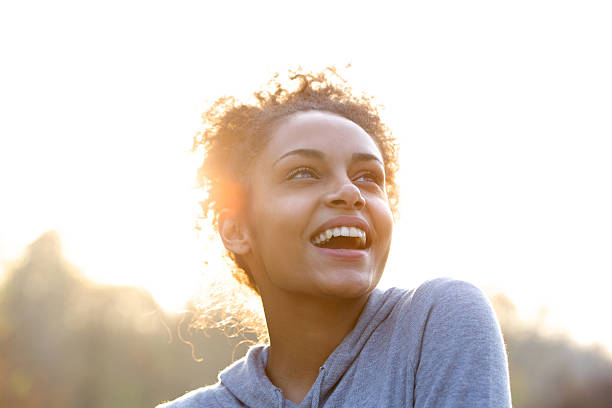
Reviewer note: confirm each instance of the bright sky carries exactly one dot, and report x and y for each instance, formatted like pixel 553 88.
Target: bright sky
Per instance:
pixel 503 112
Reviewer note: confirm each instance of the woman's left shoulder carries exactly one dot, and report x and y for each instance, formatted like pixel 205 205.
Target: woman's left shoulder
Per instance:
pixel 444 287
pixel 447 303
pixel 458 337
pixel 441 292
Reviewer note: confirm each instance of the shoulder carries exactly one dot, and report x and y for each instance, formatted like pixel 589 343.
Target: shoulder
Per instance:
pixel 456 305
pixel 445 296
pixel 231 388
pixel 459 337
pixel 447 314
pixel 441 290
pixel 201 398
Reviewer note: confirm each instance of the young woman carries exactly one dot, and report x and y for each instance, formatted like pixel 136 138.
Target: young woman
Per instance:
pixel 302 190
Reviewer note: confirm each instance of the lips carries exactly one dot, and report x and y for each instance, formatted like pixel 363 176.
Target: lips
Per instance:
pixel 355 226
pixel 354 235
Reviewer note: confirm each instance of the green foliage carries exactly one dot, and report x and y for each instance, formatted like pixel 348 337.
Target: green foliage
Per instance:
pixel 552 372
pixel 65 342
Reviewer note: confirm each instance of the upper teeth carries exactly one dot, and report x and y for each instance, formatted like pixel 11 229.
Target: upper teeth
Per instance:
pixel 340 232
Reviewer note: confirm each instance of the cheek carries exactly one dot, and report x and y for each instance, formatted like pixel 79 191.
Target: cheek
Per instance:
pixel 278 224
pixel 384 220
pixel 381 210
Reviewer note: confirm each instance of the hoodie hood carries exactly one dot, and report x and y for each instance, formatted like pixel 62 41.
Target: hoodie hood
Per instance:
pixel 247 380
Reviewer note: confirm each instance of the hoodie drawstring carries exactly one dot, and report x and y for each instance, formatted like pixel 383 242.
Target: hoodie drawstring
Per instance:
pixel 280 398
pixel 316 395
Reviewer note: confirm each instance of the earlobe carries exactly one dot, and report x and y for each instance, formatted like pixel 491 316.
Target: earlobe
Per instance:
pixel 233 232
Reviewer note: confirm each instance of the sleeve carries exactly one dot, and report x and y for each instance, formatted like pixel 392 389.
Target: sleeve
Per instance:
pixel 200 398
pixel 462 360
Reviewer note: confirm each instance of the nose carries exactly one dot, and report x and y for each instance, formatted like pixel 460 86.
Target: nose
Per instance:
pixel 347 196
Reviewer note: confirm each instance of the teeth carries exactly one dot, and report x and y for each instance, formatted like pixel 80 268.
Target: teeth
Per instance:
pixel 341 232
pixel 363 238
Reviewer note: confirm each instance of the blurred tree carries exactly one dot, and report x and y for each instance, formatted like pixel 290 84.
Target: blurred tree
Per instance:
pixel 66 342
pixel 546 371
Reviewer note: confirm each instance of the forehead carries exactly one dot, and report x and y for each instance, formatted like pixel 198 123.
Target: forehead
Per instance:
pixel 329 133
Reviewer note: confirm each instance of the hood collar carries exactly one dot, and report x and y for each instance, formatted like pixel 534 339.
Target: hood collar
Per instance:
pixel 246 379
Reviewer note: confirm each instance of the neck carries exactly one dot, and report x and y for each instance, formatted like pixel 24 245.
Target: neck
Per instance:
pixel 304 331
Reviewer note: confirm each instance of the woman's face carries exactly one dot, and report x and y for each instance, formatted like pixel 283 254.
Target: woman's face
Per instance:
pixel 315 190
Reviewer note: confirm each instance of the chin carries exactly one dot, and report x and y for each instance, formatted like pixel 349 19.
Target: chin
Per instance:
pixel 349 285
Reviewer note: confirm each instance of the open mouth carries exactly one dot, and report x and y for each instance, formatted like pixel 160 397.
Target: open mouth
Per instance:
pixel 341 238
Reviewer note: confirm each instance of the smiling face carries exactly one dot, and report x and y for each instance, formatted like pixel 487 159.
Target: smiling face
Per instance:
pixel 318 220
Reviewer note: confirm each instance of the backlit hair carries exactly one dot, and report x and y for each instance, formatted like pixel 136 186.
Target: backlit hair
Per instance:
pixel 235 132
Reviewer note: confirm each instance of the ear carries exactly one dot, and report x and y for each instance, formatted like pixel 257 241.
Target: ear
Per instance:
pixel 234 232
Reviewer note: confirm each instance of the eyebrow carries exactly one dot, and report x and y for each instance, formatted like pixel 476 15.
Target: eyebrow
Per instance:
pixel 365 157
pixel 317 154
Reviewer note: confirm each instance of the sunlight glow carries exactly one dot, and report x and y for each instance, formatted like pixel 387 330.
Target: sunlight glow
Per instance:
pixel 503 120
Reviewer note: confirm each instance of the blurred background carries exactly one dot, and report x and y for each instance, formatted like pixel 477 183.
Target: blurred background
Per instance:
pixel 502 111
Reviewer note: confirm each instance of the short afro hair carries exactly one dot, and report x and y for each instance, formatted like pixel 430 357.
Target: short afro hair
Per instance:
pixel 235 132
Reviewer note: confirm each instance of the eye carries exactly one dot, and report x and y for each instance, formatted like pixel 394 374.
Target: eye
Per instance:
pixel 368 178
pixel 302 173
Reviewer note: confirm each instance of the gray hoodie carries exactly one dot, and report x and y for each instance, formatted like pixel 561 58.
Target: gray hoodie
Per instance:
pixel 435 346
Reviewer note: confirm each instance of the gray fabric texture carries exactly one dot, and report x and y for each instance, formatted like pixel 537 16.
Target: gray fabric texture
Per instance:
pixel 438 345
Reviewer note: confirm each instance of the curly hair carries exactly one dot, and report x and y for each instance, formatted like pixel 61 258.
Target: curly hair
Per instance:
pixel 235 132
